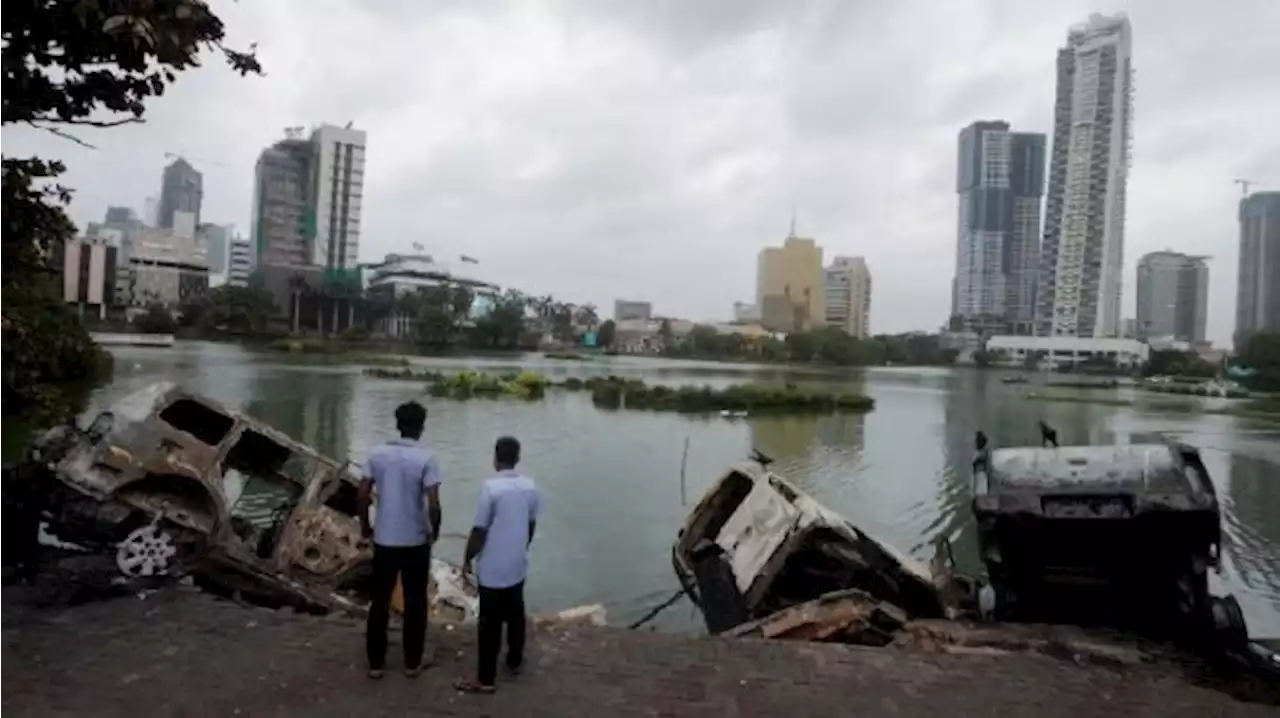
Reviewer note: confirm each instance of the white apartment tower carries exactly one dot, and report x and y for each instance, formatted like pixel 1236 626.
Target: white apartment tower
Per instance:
pixel 339 174
pixel 1082 255
pixel 847 284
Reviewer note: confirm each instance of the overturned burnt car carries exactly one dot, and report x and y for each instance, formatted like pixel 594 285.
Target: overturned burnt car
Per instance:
pixel 173 483
pixel 1119 535
pixel 755 546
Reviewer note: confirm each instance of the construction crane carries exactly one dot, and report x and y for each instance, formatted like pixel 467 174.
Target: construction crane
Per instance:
pixel 1244 186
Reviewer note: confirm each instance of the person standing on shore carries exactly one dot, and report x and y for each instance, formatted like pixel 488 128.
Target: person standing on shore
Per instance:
pixel 506 518
pixel 406 476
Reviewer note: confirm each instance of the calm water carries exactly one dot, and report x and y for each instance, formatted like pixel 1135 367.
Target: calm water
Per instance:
pixel 611 479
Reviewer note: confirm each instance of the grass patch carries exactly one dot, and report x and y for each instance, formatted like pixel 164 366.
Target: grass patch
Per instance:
pixel 617 392
pixel 467 384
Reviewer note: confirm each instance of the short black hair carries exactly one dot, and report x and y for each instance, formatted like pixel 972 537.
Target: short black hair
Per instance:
pixel 411 417
pixel 506 452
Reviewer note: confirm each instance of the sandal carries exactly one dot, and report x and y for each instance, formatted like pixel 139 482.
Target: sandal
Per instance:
pixel 466 685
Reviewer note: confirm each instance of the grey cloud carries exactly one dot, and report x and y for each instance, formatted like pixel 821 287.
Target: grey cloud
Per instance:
pixel 649 149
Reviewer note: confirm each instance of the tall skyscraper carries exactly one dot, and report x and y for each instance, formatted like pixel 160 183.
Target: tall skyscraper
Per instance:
pixel 308 197
pixel 181 190
pixel 1258 281
pixel 1173 297
pixel 339 168
pixel 1082 255
pixel 848 295
pixel 1000 179
pixel 790 290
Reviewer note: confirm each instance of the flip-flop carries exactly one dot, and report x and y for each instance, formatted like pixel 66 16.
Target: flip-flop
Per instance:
pixel 466 685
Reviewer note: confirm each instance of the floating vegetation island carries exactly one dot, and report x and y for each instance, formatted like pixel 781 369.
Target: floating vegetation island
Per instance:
pixel 615 392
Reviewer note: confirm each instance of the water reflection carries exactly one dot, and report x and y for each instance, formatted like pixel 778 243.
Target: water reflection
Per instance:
pixel 612 479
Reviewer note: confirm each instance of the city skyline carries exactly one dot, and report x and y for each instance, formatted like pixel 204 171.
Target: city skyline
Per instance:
pixel 694 133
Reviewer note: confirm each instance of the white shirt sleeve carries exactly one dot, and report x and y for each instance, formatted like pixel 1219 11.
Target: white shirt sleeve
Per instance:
pixel 484 510
pixel 431 474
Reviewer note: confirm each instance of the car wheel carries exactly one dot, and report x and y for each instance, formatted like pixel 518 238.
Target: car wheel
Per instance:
pixel 154 549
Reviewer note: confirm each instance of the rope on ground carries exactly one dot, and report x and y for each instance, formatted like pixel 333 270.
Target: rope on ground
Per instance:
pixel 658 609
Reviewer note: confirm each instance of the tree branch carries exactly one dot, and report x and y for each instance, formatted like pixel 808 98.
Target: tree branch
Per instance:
pixel 63 135
pixel 89 123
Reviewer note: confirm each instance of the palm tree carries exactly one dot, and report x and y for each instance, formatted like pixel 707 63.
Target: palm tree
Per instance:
pixel 297 285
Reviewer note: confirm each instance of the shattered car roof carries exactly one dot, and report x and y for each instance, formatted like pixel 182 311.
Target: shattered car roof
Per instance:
pixel 1132 467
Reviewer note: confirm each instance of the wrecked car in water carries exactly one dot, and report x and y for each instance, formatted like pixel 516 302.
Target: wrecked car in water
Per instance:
pixel 1123 535
pixel 173 483
pixel 756 545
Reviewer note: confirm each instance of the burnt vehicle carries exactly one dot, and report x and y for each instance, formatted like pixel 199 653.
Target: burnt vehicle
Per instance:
pixel 1119 535
pixel 173 483
pixel 755 546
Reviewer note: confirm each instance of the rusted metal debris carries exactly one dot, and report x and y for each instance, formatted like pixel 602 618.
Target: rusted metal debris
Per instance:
pixel 174 483
pixel 848 616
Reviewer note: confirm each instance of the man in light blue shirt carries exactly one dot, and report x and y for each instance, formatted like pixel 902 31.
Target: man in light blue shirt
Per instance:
pixel 406 476
pixel 506 517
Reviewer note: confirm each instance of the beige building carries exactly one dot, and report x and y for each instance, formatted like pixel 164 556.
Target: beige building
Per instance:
pixel 790 294
pixel 848 295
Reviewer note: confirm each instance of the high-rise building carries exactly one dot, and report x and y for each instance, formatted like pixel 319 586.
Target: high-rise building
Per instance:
pixel 848 295
pixel 1258 281
pixel 283 221
pixel 1173 297
pixel 339 191
pixel 999 179
pixel 1082 255
pixel 217 241
pixel 790 291
pixel 181 190
pixel 240 262
pixel 308 195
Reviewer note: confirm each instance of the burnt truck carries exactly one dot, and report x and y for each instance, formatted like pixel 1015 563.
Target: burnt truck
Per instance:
pixel 171 483
pixel 1122 535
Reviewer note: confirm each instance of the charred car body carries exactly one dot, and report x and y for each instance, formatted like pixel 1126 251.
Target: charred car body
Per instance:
pixel 1121 535
pixel 175 483
pixel 755 546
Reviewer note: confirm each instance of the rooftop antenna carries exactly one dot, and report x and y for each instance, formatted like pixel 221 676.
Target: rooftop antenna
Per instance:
pixel 1244 186
pixel 793 220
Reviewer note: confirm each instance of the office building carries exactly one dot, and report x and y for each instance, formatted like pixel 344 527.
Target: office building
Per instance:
pixel 339 170
pixel 181 190
pixel 1082 254
pixel 790 291
pixel 1258 279
pixel 1173 297
pixel 167 268
pixel 217 241
pixel 308 197
pixel 89 275
pixel 239 262
pixel 624 310
pixel 848 295
pixel 999 180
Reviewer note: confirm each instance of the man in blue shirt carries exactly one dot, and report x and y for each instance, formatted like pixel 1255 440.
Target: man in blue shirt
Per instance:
pixel 505 521
pixel 406 476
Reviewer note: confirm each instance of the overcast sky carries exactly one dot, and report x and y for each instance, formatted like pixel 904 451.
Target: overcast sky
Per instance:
pixel 647 150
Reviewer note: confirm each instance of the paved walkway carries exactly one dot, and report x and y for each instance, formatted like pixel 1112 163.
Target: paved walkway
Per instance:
pixel 181 653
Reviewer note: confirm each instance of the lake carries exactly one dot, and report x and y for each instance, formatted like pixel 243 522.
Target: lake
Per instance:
pixel 611 482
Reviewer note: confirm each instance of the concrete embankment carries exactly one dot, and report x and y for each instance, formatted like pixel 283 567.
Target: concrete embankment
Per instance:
pixel 182 652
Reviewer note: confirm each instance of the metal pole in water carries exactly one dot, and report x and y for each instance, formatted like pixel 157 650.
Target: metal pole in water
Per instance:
pixel 684 460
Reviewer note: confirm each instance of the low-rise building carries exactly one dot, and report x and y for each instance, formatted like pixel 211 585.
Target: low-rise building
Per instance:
pixel 89 275
pixel 624 310
pixel 398 275
pixel 1065 350
pixel 167 266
